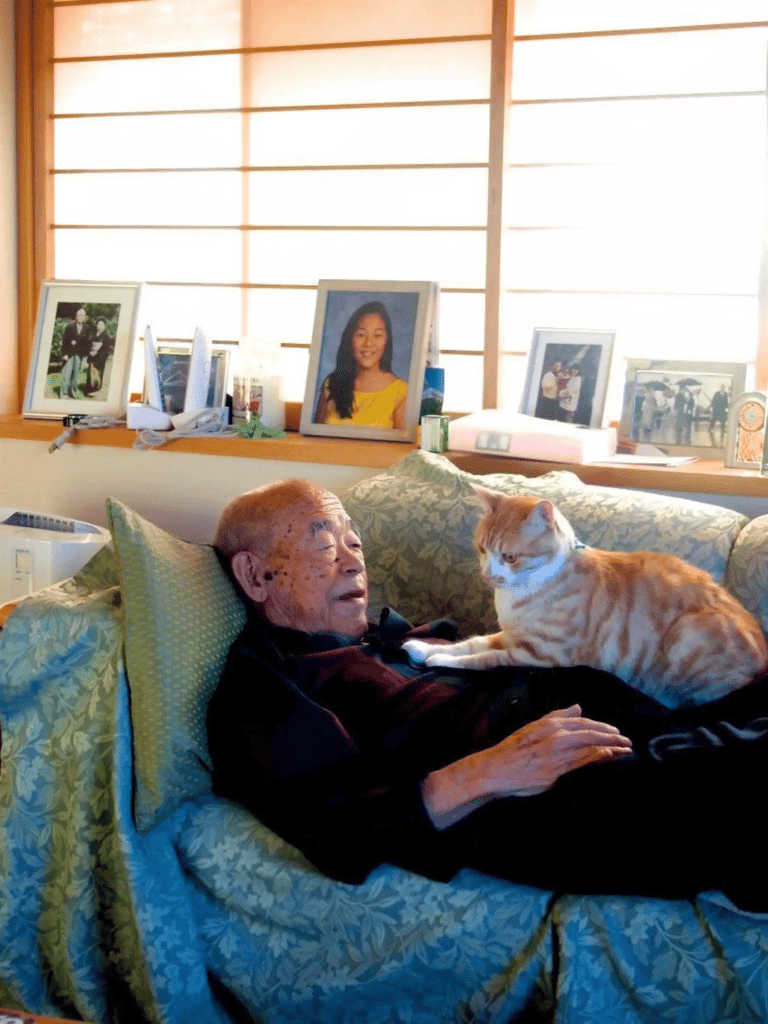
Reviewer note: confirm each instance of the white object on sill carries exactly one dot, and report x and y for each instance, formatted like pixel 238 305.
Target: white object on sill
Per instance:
pixel 37 550
pixel 515 435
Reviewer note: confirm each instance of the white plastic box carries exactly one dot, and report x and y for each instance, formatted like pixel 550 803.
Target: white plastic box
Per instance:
pixel 37 550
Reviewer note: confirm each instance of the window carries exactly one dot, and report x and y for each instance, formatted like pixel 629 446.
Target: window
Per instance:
pixel 636 152
pixel 231 153
pixel 232 160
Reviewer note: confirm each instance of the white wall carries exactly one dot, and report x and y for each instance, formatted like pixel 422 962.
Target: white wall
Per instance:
pixel 8 393
pixel 180 492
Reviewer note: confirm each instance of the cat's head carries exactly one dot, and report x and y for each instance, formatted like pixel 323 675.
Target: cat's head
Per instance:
pixel 520 538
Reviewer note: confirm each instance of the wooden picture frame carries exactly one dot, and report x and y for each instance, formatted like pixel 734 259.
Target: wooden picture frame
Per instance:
pixel 396 318
pixel 79 366
pixel 567 376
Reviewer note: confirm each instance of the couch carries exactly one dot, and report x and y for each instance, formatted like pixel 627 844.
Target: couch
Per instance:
pixel 130 893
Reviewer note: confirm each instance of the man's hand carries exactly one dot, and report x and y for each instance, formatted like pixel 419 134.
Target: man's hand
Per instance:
pixel 525 763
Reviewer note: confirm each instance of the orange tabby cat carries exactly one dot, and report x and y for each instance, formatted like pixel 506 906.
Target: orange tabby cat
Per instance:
pixel 659 624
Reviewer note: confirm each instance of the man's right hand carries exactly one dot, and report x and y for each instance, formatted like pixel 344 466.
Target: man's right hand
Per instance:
pixel 524 763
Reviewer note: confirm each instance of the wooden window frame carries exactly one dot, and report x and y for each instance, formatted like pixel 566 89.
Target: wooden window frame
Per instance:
pixel 34 62
pixel 34 120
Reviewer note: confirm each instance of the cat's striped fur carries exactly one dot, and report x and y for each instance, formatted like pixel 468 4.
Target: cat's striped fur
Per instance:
pixel 661 625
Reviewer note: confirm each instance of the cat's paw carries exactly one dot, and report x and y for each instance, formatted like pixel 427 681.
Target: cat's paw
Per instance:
pixel 439 659
pixel 417 651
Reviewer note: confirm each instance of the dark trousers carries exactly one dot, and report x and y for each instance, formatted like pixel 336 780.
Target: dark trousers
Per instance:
pixel 682 814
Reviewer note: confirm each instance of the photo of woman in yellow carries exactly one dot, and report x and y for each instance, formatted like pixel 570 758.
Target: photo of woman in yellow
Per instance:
pixel 363 390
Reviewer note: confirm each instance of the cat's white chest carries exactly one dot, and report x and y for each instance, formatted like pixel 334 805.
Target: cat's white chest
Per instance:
pixel 521 583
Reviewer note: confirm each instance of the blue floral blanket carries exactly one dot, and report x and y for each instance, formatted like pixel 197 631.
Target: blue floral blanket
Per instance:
pixel 212 918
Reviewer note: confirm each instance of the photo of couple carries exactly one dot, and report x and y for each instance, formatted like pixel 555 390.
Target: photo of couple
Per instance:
pixel 82 348
pixel 567 385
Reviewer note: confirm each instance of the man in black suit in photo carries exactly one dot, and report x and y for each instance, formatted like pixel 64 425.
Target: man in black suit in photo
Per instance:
pixel 75 346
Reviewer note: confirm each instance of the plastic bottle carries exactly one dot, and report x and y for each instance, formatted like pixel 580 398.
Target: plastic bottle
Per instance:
pixel 240 384
pixel 257 384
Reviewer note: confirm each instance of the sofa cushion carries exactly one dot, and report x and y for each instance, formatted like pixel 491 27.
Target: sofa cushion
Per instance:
pixel 181 616
pixel 747 577
pixel 417 519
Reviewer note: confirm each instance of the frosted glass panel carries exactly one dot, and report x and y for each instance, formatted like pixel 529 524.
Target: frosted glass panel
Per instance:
pixel 282 22
pixel 675 196
pixel 371 74
pixel 388 135
pixel 281 314
pixel 175 311
pixel 539 16
pixel 694 327
pixel 153 26
pixel 288 315
pixel 512 369
pixel 165 198
pixel 463 383
pixel 169 140
pixel 731 128
pixel 453 258
pixel 134 255
pixel 673 63
pixel 398 197
pixel 462 321
pixel 646 260
pixel 165 83
pixel 294 363
pixel 656 327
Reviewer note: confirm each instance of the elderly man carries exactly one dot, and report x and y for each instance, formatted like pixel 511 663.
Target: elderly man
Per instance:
pixel 322 728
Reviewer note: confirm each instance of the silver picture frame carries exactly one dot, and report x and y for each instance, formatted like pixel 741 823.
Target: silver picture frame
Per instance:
pixel 173 360
pixel 682 406
pixel 84 341
pixel 567 375
pixel 405 313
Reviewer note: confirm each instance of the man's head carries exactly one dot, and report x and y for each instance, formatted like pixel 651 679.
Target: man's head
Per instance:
pixel 297 557
pixel 80 316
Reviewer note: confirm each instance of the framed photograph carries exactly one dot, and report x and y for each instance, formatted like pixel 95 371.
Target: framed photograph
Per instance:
pixel 367 359
pixel 84 339
pixel 681 407
pixel 173 370
pixel 745 431
pixel 567 376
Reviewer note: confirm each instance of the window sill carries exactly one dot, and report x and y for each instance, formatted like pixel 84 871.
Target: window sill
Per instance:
pixel 702 477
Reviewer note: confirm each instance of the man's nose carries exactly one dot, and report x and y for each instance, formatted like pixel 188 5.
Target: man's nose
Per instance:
pixel 351 560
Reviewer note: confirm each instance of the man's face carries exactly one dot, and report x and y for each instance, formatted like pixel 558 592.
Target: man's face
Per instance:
pixel 80 316
pixel 315 579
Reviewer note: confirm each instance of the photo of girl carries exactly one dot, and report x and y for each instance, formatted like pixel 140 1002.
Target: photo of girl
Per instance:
pixel 362 389
pixel 366 362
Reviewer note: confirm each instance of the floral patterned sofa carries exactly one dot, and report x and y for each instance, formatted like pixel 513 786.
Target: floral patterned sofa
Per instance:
pixel 129 893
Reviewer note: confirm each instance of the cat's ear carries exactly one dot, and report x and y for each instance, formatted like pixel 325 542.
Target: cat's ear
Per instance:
pixel 489 498
pixel 543 515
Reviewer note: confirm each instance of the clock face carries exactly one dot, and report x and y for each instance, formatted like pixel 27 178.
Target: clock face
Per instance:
pixel 751 416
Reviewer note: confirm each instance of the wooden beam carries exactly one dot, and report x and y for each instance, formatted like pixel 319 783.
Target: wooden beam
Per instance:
pixel 34 134
pixel 502 29
pixel 761 359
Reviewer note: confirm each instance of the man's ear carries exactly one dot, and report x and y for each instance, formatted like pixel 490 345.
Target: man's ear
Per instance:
pixel 246 568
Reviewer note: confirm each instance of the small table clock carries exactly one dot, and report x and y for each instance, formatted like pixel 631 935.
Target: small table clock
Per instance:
pixel 745 433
